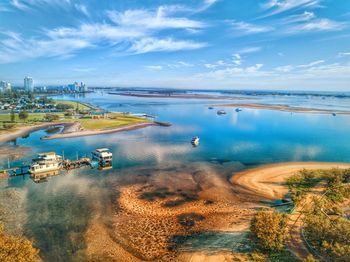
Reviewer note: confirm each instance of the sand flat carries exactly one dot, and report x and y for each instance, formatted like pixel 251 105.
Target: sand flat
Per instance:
pixel 268 181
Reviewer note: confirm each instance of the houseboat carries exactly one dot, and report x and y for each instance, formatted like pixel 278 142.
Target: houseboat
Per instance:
pixel 103 156
pixel 46 162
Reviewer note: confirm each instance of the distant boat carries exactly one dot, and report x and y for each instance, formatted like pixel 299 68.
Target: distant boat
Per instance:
pixel 195 141
pixel 238 110
pixel 210 107
pixel 103 156
pixel 334 114
pixel 221 112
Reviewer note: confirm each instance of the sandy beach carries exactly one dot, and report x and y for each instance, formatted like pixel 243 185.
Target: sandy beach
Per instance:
pixel 268 181
pixel 286 108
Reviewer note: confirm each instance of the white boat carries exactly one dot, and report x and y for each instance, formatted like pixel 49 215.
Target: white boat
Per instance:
pixel 46 162
pixel 103 156
pixel 195 141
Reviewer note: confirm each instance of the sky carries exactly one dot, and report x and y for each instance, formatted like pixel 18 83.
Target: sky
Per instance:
pixel 197 44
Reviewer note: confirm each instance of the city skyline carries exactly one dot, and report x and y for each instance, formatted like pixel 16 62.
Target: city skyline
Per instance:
pixel 205 44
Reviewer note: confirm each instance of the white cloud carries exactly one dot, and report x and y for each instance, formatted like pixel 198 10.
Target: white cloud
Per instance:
pixel 249 50
pixel 82 8
pixel 247 28
pixel 323 24
pixel 132 31
pixel 284 69
pixel 306 16
pixel 229 72
pixel 158 19
pixel 207 4
pixel 154 67
pixel 147 45
pixel 342 54
pixel 280 6
pixel 311 64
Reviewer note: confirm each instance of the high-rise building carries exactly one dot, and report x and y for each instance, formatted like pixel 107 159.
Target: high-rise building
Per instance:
pixel 29 84
pixel 83 87
pixel 5 86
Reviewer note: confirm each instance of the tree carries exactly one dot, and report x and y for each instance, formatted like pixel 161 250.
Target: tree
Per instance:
pixel 16 249
pixel 269 230
pixel 51 117
pixel 23 115
pixel 12 115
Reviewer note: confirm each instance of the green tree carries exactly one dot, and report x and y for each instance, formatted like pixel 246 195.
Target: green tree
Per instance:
pixel 12 115
pixel 269 230
pixel 16 249
pixel 51 117
pixel 23 115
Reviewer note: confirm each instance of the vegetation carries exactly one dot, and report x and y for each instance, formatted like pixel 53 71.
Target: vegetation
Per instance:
pixel 23 115
pixel 115 120
pixel 51 117
pixel 16 249
pixel 302 182
pixel 75 105
pixel 325 226
pixel 268 230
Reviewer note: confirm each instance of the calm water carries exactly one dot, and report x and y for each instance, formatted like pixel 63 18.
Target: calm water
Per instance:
pixel 56 213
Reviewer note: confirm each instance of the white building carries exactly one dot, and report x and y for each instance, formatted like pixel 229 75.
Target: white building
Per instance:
pixel 29 84
pixel 5 86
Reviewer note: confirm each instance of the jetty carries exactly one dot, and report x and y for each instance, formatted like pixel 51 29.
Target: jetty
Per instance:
pixel 50 164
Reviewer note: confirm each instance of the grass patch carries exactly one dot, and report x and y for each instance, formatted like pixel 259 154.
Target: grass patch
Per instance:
pixel 74 104
pixel 115 120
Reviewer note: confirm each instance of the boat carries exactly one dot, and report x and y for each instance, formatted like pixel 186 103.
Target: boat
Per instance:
pixel 221 112
pixel 195 141
pixel 103 156
pixel 238 110
pixel 210 107
pixel 334 114
pixel 46 162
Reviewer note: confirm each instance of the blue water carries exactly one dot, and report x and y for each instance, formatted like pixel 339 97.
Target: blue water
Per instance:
pixel 248 138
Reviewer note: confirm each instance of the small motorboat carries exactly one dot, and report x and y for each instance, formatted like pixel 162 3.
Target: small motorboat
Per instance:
pixel 195 141
pixel 221 112
pixel 334 114
pixel 210 107
pixel 238 110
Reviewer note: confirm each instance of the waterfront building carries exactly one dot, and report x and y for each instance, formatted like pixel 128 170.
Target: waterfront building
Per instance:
pixel 5 86
pixel 29 84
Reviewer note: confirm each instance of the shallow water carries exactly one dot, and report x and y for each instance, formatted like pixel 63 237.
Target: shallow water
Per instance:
pixel 58 211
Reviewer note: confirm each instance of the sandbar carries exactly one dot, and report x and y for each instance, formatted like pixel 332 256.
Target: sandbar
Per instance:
pixel 286 108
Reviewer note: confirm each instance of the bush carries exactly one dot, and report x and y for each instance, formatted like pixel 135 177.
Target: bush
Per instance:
pixel 23 115
pixel 51 117
pixel 16 249
pixel 269 230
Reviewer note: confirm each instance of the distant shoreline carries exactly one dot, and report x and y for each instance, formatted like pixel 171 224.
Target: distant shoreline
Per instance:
pixel 286 108
pixel 173 95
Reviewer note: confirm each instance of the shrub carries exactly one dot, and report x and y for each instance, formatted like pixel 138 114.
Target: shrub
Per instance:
pixel 16 249
pixel 51 117
pixel 269 230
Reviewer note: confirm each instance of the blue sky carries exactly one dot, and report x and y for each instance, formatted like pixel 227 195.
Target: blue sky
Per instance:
pixel 210 44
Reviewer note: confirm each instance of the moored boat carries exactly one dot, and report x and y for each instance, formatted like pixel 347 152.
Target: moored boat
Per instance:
pixel 221 112
pixel 46 162
pixel 195 141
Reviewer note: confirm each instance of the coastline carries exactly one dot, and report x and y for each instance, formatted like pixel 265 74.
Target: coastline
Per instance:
pixel 26 130
pixel 285 108
pixel 267 181
pixel 81 133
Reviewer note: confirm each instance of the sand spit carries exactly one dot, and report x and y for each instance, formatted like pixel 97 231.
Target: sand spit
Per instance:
pixel 182 96
pixel 287 108
pixel 77 132
pixel 268 181
pixel 26 130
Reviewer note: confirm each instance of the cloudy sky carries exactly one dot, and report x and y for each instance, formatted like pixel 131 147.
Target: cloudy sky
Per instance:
pixel 226 44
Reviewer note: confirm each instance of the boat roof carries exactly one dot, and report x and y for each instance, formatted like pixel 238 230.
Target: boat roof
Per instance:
pixel 100 150
pixel 48 153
